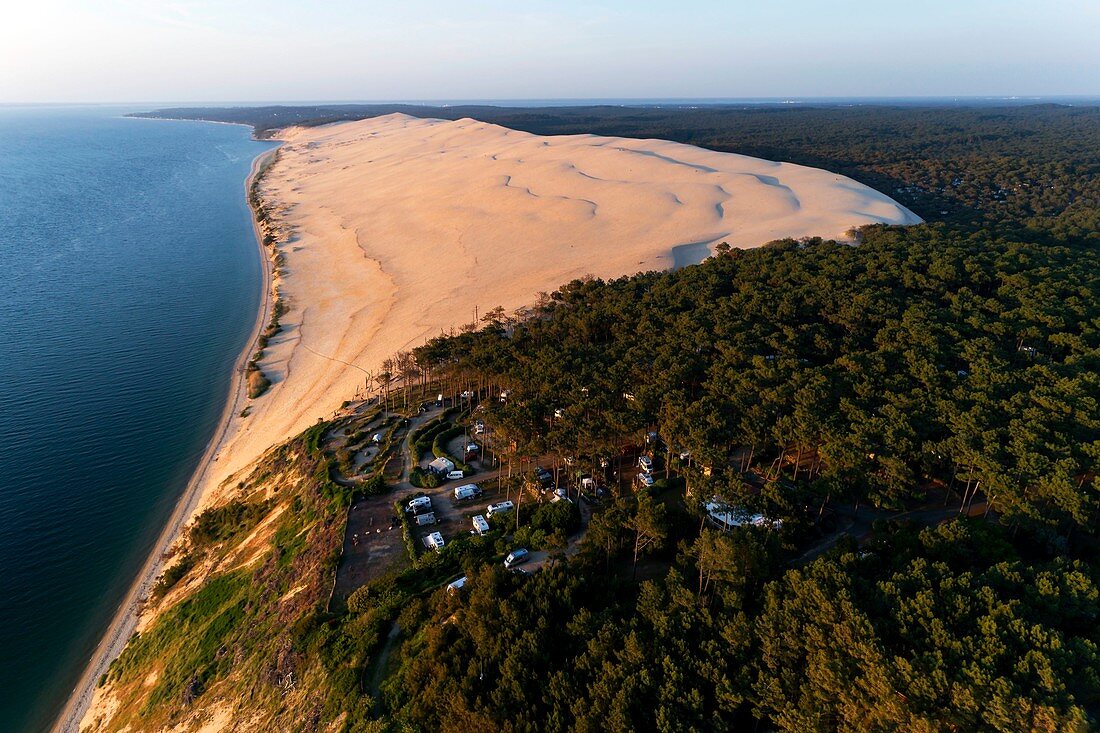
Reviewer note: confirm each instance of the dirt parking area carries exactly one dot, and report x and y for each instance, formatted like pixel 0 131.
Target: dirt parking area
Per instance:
pixel 373 546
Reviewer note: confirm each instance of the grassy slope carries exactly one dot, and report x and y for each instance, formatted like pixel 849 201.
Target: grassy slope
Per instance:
pixel 237 631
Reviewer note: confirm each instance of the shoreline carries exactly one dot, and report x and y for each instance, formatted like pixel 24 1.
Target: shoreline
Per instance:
pixel 125 620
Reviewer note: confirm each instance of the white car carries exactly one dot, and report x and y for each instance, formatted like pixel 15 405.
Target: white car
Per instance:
pixel 646 480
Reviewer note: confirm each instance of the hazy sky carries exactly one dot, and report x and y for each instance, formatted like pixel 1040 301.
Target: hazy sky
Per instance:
pixel 252 50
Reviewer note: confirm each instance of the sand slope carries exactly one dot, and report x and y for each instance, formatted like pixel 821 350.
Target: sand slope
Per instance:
pixel 401 226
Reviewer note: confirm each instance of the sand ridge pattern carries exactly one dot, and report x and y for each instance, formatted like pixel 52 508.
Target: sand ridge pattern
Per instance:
pixel 401 226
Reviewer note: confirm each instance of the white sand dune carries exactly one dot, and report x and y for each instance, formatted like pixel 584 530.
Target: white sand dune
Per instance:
pixel 401 226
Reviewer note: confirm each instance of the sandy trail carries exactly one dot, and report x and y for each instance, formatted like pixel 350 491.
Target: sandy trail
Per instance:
pixel 402 226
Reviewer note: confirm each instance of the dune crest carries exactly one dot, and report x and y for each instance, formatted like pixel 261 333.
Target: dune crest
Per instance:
pixel 402 226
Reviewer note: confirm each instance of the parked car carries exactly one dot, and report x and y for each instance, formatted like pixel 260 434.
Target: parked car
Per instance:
pixel 544 477
pixel 516 557
pixel 645 480
pixel 456 475
pixel 499 508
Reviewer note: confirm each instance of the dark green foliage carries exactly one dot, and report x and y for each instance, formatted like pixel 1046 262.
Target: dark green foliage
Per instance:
pixel 173 575
pixel 911 638
pixel 423 479
pixel 545 526
pixel 226 521
pixel 374 486
pixel 423 437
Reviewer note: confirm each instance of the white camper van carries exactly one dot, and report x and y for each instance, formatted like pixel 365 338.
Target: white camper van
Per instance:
pixel 469 491
pixel 500 508
pixel 419 505
pixel 480 525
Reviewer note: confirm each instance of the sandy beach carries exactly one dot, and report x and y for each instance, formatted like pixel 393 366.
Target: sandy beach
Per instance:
pixel 397 229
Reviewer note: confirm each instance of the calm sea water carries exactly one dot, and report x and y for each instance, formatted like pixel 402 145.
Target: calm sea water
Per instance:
pixel 129 282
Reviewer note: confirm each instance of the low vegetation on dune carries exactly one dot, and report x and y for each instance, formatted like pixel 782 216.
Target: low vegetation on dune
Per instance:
pixel 235 606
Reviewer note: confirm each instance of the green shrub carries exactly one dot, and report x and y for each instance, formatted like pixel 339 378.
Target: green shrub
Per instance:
pixel 375 485
pixel 224 522
pixel 560 516
pixel 173 575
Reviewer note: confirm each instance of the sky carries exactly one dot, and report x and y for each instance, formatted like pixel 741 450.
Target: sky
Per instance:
pixel 343 50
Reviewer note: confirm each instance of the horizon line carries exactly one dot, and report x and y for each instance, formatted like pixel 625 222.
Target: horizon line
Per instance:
pixel 519 101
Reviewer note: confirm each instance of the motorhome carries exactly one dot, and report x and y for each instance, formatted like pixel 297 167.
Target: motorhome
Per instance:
pixel 480 525
pixel 726 517
pixel 500 508
pixel 420 504
pixel 469 491
pixel 441 466
pixel 434 541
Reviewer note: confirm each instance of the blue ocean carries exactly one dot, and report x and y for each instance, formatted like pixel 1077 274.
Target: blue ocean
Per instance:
pixel 129 282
